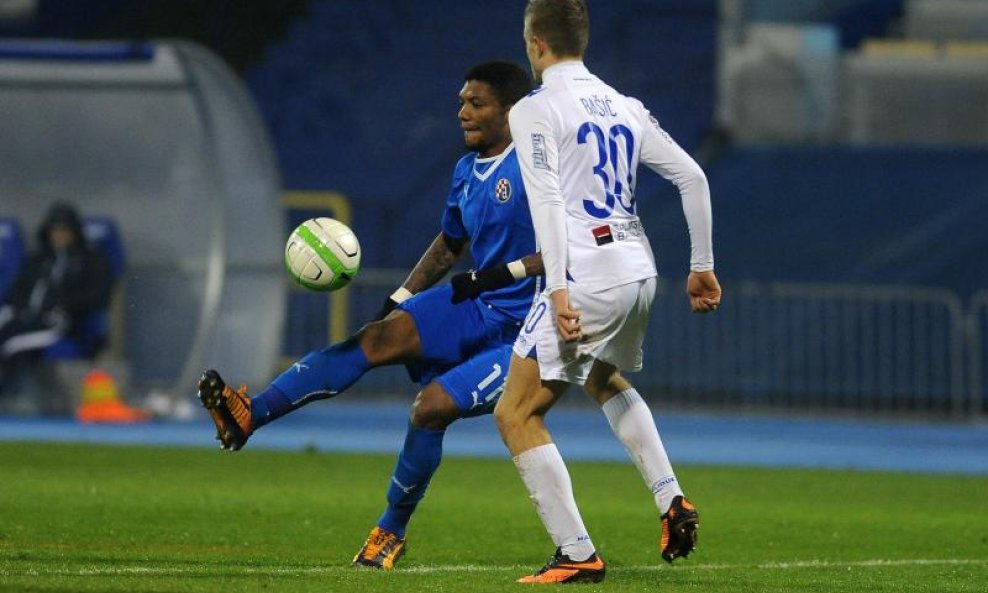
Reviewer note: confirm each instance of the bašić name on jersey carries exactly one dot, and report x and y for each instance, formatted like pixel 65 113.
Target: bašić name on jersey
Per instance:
pixel 597 105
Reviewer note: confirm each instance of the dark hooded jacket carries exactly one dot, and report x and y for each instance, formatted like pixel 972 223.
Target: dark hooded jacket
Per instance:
pixel 73 283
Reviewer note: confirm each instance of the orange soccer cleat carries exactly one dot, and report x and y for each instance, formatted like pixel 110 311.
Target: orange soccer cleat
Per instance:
pixel 679 527
pixel 560 569
pixel 382 549
pixel 229 409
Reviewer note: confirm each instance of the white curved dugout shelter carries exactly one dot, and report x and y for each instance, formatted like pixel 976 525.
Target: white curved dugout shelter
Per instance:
pixel 163 138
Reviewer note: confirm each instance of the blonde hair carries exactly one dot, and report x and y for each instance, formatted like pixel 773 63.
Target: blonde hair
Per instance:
pixel 563 24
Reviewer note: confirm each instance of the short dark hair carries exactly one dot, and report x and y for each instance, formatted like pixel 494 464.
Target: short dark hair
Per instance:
pixel 510 81
pixel 563 24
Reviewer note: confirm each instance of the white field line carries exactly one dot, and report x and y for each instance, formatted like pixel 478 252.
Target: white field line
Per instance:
pixel 206 570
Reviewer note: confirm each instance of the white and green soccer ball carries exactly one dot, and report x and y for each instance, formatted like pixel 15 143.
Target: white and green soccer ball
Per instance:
pixel 322 254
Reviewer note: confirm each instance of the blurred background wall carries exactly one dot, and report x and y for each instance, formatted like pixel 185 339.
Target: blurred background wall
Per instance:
pixel 846 142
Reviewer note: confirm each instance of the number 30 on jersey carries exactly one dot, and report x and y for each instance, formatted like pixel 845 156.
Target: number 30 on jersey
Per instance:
pixel 611 168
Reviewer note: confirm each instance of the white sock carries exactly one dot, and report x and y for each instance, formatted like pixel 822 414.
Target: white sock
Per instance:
pixel 549 486
pixel 632 422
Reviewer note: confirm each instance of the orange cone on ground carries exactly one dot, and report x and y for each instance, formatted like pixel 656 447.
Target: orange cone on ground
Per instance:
pixel 101 401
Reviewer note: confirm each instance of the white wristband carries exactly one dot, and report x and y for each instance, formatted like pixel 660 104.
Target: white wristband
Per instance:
pixel 401 295
pixel 517 269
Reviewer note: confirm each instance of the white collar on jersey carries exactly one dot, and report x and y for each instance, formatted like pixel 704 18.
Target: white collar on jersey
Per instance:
pixel 560 70
pixel 495 162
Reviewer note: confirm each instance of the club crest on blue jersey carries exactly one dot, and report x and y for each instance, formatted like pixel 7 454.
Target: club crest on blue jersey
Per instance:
pixel 502 191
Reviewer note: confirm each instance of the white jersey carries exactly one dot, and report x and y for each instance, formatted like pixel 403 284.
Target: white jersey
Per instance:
pixel 579 143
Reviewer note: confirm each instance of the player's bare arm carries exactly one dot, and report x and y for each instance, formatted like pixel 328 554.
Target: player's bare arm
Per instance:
pixel 432 267
pixel 533 264
pixel 437 260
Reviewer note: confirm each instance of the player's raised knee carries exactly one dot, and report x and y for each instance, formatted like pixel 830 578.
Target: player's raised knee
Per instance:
pixel 433 408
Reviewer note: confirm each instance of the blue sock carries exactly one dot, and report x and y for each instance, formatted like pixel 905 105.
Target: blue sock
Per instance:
pixel 320 374
pixel 418 460
pixel 267 405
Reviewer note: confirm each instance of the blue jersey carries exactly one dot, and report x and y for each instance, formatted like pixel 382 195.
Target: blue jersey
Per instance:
pixel 487 204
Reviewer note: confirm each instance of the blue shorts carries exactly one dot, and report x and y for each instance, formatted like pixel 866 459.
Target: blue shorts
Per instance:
pixel 476 384
pixel 451 334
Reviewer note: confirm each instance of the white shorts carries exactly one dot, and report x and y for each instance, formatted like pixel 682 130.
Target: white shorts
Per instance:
pixel 613 321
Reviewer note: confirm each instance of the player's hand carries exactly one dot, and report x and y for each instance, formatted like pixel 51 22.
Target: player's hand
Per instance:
pixel 470 285
pixel 704 292
pixel 388 306
pixel 567 318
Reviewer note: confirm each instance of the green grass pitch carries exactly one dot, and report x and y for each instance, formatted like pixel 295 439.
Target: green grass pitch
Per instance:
pixel 113 518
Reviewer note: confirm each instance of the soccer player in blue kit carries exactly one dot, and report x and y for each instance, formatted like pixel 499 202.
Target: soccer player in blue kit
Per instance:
pixel 454 340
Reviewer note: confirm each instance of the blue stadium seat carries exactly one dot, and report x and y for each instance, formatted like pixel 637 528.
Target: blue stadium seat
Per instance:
pixel 11 253
pixel 103 233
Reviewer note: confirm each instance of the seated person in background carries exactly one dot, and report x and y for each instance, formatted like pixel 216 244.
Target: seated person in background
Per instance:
pixel 58 286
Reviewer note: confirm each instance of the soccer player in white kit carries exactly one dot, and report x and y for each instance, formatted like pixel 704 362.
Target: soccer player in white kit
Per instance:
pixel 579 144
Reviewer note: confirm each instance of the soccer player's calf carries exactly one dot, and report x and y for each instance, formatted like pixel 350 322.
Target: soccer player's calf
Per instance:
pixel 469 389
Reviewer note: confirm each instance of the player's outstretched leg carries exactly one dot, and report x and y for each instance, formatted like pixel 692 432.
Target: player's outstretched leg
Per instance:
pixel 561 569
pixel 679 529
pixel 325 373
pixel 229 409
